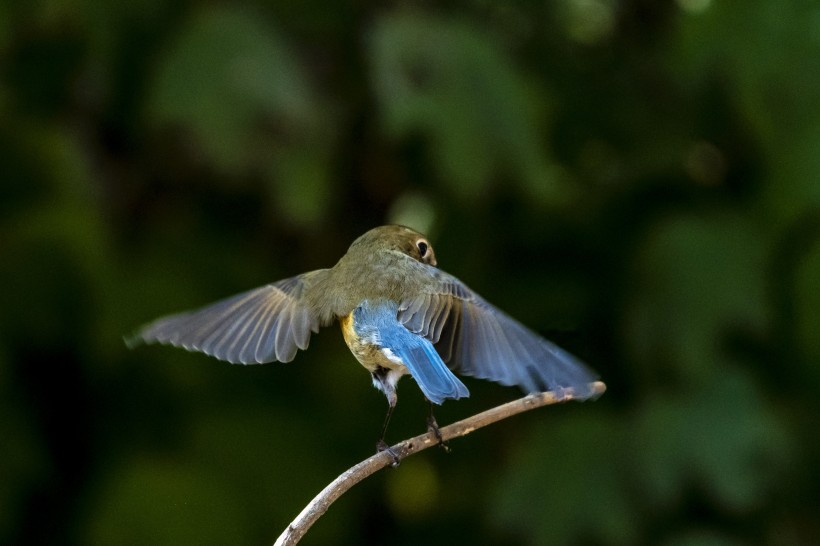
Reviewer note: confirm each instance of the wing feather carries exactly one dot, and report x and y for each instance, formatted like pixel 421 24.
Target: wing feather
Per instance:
pixel 263 325
pixel 479 340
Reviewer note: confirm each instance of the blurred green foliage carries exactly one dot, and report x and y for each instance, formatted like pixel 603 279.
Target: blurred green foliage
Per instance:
pixel 639 181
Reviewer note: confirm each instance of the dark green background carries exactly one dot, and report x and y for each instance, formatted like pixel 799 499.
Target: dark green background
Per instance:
pixel 639 181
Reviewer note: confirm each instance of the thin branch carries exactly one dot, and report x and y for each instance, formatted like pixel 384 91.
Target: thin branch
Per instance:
pixel 319 505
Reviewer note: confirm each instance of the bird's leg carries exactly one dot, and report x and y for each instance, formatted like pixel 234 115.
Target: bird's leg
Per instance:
pixel 383 381
pixel 381 445
pixel 432 426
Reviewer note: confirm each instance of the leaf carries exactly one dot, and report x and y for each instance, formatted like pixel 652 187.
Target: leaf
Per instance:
pixel 781 119
pixel 696 281
pixel 225 74
pixel 451 84
pixel 721 439
pixel 234 84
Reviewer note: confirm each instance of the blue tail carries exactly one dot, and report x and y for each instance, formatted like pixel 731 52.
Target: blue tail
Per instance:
pixel 378 323
pixel 433 376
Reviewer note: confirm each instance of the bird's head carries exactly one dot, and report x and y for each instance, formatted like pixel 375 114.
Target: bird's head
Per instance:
pixel 395 238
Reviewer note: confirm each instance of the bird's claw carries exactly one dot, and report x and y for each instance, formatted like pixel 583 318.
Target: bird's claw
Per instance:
pixel 432 426
pixel 381 445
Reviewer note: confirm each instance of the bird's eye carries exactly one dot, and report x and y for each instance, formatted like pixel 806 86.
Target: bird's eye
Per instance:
pixel 422 246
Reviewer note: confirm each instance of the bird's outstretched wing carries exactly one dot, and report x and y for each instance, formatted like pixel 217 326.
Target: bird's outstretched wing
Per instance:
pixel 478 340
pixel 262 325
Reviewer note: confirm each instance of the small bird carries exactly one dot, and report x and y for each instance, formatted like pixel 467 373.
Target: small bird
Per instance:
pixel 399 315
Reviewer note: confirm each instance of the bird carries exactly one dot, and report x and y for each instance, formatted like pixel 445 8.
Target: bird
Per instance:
pixel 399 315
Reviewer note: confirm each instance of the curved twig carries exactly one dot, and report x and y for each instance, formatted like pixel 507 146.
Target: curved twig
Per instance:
pixel 319 505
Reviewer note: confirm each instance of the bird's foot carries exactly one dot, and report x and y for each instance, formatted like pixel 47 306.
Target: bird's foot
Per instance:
pixel 381 445
pixel 432 426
